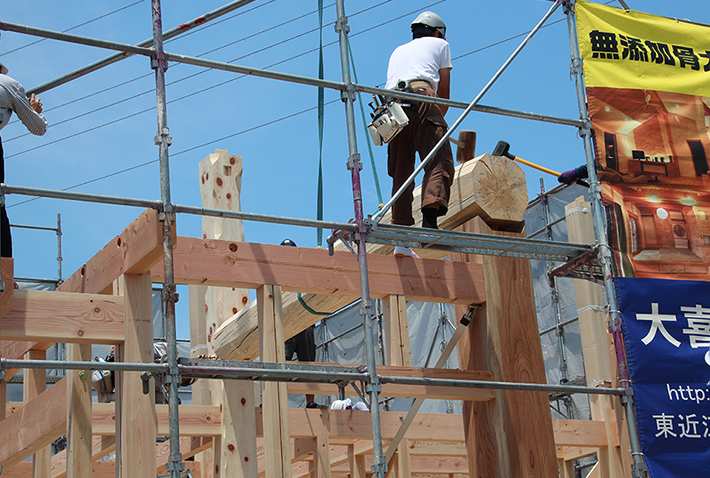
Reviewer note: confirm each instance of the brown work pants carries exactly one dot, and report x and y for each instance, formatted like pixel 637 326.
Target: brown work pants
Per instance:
pixel 426 127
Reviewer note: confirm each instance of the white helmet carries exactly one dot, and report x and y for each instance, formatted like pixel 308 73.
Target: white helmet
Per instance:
pixel 432 20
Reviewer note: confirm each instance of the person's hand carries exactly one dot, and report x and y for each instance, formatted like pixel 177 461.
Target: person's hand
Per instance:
pixel 35 103
pixel 567 177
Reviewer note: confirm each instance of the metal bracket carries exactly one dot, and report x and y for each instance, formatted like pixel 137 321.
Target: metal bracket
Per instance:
pixel 159 60
pixel 585 266
pixel 348 93
pixel 342 23
pixel 374 385
pixel 163 136
pixel 176 459
pixel 354 162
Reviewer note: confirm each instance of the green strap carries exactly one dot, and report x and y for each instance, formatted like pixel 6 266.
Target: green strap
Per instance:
pixel 305 306
pixel 321 114
pixel 365 122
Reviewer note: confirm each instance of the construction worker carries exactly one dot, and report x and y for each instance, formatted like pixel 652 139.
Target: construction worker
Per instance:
pixel 13 98
pixel 422 66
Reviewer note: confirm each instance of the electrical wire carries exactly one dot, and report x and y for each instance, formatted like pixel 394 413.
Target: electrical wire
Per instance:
pixel 197 74
pixel 75 27
pixel 147 75
pixel 242 76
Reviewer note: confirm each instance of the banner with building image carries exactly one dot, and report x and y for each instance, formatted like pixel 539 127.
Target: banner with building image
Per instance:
pixel 648 89
pixel 666 326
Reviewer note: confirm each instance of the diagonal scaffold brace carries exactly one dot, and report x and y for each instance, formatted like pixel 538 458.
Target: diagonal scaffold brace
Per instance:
pixel 417 404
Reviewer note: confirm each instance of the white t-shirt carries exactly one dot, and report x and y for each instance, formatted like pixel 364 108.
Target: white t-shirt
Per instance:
pixel 420 59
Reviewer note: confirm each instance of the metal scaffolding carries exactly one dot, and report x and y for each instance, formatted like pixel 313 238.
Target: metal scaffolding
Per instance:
pixel 360 232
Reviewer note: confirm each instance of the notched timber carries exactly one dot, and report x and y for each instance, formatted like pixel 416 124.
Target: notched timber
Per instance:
pixel 138 248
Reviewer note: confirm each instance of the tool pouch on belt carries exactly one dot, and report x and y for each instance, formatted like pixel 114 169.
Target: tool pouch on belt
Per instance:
pixel 388 119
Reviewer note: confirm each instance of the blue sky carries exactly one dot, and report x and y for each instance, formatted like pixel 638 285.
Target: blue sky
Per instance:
pixel 105 122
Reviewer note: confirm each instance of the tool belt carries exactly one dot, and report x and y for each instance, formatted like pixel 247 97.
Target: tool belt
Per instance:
pixel 415 84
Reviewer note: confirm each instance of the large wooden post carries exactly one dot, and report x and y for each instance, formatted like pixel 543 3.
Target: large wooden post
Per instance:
pixel 277 446
pixel 598 350
pixel 511 436
pixel 220 187
pixel 79 440
pixel 137 413
pixel 34 383
pixel 396 328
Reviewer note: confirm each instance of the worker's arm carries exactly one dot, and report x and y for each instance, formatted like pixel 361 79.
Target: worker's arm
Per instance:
pixel 444 87
pixel 28 111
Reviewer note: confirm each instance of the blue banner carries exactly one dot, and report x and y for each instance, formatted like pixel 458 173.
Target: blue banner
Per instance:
pixel 666 325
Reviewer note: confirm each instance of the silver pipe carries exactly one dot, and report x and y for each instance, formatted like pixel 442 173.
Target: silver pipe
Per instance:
pixel 377 217
pixel 288 375
pixel 600 232
pixel 129 50
pixel 71 38
pixel 463 105
pixel 274 75
pixel 561 324
pixel 59 248
pixel 180 29
pixel 159 63
pixel 37 228
pixel 74 196
pixel 263 218
pixel 379 467
pixel 177 208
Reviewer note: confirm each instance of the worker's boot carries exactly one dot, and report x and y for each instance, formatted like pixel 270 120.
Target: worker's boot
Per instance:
pixel 429 217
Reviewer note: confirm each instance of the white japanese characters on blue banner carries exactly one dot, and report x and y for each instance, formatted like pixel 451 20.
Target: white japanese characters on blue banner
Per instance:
pixel 666 326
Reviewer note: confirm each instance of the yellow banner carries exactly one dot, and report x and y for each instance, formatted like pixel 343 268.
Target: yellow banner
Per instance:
pixel 641 51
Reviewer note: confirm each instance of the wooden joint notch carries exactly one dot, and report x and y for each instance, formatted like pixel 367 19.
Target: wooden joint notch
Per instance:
pixel 138 248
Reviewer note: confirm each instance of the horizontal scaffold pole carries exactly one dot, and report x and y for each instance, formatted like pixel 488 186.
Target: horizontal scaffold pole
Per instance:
pixel 288 372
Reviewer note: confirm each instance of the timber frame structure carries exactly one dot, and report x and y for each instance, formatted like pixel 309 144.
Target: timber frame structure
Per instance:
pixel 507 428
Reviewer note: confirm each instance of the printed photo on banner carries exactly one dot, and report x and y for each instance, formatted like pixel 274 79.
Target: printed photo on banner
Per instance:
pixel 648 90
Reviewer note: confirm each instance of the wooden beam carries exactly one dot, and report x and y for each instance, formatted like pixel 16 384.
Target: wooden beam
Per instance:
pixel 189 447
pixel 195 420
pixel 16 350
pixel 275 398
pixel 321 457
pixel 239 457
pixel 33 385
pixel 34 426
pixel 135 251
pixel 306 423
pixel 7 269
pixel 138 248
pixel 598 349
pixel 137 417
pixel 314 270
pixel 79 440
pixel 99 469
pixel 413 391
pixel 44 316
pixel 100 447
pixel 356 462
pixel 588 433
pixel 297 269
pixel 511 436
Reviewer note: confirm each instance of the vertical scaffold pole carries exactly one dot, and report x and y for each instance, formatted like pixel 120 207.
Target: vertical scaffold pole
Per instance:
pixel 354 165
pixel 163 140
pixel 638 467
